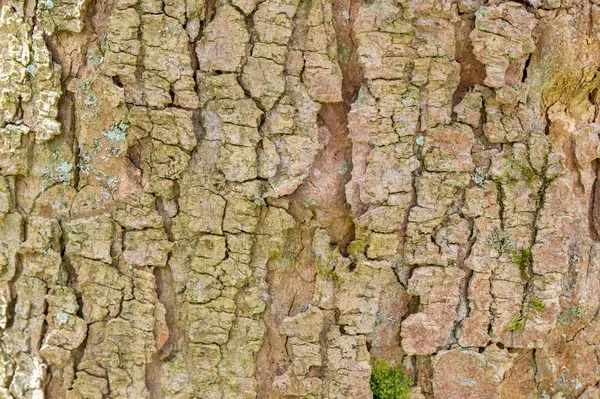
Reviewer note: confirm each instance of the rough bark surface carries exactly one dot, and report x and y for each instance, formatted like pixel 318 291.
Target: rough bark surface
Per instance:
pixel 255 198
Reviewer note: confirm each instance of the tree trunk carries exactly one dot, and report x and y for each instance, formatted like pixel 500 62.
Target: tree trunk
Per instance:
pixel 258 199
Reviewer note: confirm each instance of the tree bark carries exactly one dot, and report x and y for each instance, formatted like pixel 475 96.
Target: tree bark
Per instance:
pixel 257 199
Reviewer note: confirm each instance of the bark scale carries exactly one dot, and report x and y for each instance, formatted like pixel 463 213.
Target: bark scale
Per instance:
pixel 244 198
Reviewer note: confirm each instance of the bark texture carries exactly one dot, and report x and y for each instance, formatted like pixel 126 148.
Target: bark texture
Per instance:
pixel 255 198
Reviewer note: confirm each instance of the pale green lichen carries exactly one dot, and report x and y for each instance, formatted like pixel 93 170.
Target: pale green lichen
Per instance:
pixel 49 4
pixel 85 89
pixel 480 175
pixel 94 57
pixel 62 318
pixel 567 316
pixel 500 240
pixel 112 183
pixel 58 173
pixel 86 155
pixel 398 262
pixel 117 132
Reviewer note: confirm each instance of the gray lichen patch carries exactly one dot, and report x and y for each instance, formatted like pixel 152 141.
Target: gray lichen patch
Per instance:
pixel 85 90
pixel 58 172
